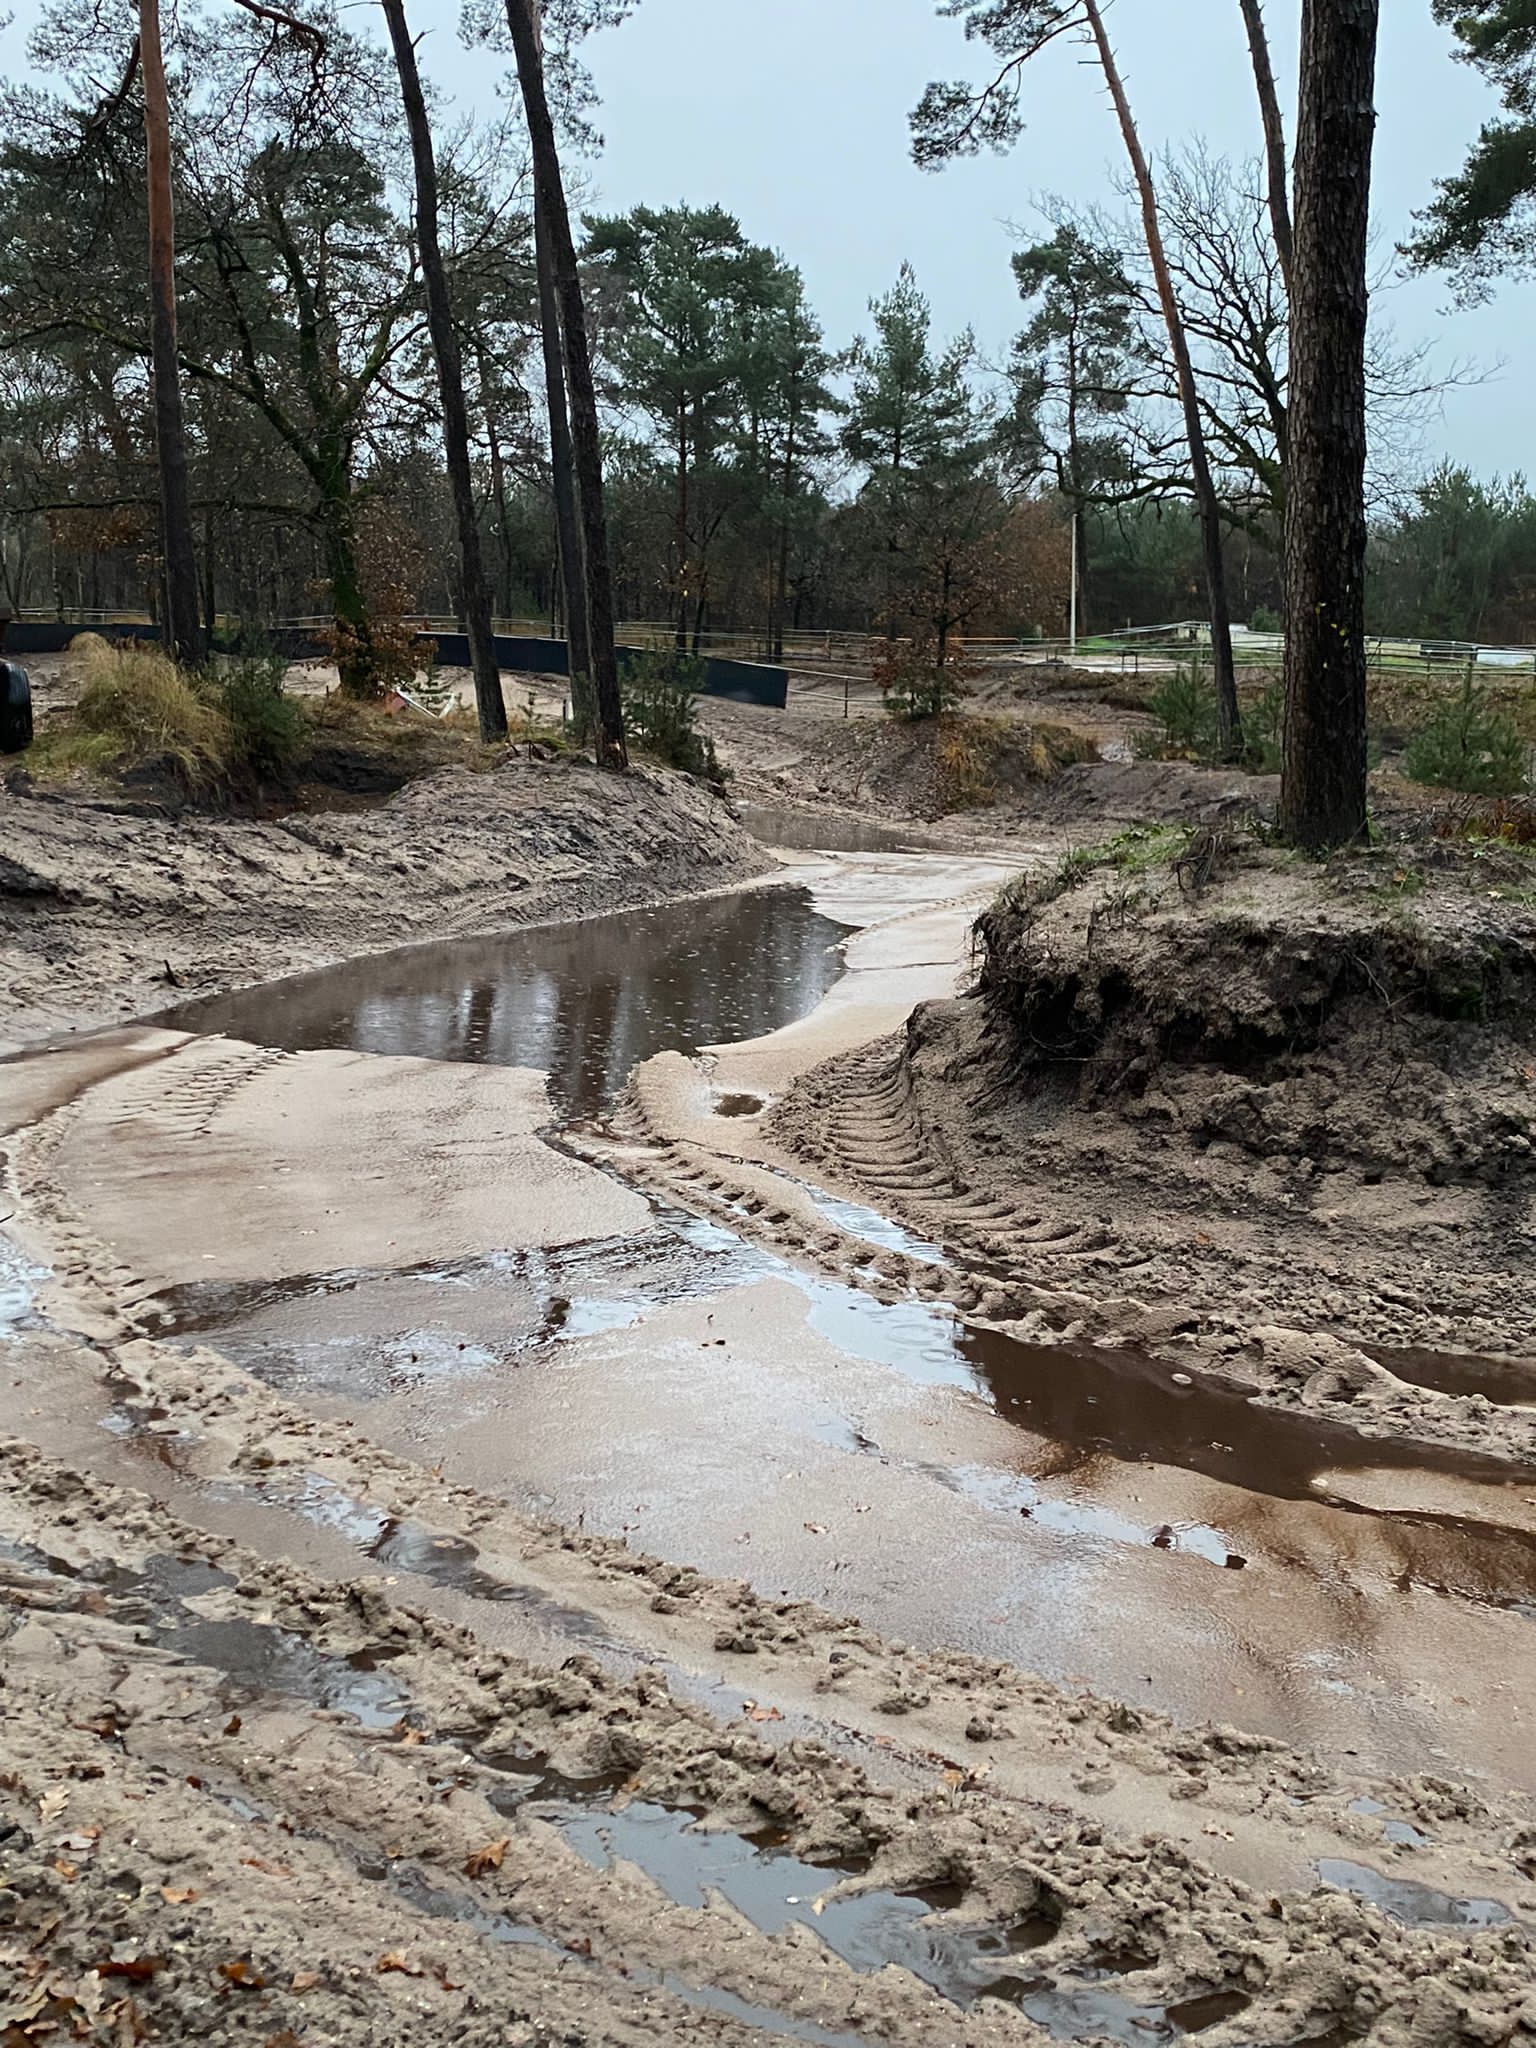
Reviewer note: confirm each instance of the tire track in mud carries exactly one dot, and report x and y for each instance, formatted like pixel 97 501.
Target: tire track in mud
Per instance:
pixel 442 1848
pixel 1210 1936
pixel 858 1120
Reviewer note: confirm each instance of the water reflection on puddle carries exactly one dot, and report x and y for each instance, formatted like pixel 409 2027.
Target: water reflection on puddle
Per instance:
pixel 373 1335
pixel 1411 1904
pixel 585 1002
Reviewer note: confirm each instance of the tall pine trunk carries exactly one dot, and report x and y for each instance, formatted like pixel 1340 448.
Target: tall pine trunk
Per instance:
pixel 473 587
pixel 523 21
pixel 1206 502
pixel 182 630
pixel 562 470
pixel 1323 782
pixel 1274 134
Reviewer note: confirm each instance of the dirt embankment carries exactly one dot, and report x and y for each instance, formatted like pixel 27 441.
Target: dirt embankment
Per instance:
pixel 1210 1098
pixel 110 910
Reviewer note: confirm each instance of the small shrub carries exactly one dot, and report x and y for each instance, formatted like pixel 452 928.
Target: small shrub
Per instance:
pixel 1262 620
pixel 661 692
pixel 966 758
pixel 143 711
pixel 1184 705
pixel 1263 731
pixel 912 680
pixel 1509 819
pixel 268 732
pixel 1470 747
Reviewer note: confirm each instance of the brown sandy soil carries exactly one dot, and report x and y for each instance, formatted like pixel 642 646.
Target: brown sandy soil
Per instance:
pixel 308 1741
pixel 107 910
pixel 1045 786
pixel 1275 1124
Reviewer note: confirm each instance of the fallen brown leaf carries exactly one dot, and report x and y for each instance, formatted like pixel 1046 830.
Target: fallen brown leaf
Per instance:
pixel 137 1969
pixel 244 1974
pixel 286 2039
pixel 53 1802
pixel 304 1980
pixel 178 1894
pixel 491 1857
pixel 271 1869
pixel 764 1714
pixel 232 1725
pixel 396 1959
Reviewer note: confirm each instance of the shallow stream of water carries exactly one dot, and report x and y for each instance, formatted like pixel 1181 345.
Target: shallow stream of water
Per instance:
pixel 1076 1510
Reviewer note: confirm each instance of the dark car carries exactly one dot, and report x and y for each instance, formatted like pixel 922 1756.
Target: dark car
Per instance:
pixel 15 708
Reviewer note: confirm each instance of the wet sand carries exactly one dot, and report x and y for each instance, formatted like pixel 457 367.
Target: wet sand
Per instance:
pixel 439 1307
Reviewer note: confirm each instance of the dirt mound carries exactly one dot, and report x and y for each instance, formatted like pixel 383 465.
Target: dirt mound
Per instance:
pixel 1212 1098
pixel 1101 794
pixel 928 769
pixel 1299 1026
pixel 104 909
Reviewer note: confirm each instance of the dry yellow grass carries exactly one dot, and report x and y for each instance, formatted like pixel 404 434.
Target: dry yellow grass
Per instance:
pixel 139 707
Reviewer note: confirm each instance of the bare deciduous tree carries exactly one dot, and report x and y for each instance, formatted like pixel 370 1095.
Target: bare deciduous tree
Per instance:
pixel 956 118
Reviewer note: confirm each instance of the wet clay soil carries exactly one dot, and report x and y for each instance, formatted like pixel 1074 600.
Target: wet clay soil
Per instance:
pixel 680 1386
pixel 1083 1512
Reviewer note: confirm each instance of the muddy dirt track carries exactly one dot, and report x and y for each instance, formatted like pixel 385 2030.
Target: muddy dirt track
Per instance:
pixel 530 1512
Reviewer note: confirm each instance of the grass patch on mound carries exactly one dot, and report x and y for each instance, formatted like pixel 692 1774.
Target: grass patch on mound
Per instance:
pixel 979 759
pixel 233 735
pixel 139 715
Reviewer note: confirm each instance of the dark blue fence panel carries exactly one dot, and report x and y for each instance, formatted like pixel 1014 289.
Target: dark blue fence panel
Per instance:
pixel 746 682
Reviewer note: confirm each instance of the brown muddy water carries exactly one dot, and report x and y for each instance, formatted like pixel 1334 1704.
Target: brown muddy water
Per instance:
pixel 811 832
pixel 585 1002
pixel 1073 1510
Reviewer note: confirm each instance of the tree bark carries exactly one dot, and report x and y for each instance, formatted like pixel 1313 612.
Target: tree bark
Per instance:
pixel 523 22
pixel 182 632
pixel 1323 785
pixel 1229 718
pixel 499 493
pixel 562 469
pixel 474 590
pixel 1274 134
pixel 354 629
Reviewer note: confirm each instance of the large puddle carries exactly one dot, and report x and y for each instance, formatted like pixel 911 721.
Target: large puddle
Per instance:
pixel 586 1002
pixel 1085 1513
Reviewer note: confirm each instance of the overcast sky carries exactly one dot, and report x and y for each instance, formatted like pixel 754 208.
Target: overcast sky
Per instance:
pixel 793 114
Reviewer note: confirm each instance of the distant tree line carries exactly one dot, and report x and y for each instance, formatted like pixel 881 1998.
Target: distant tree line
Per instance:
pixel 759 476
pixel 756 477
